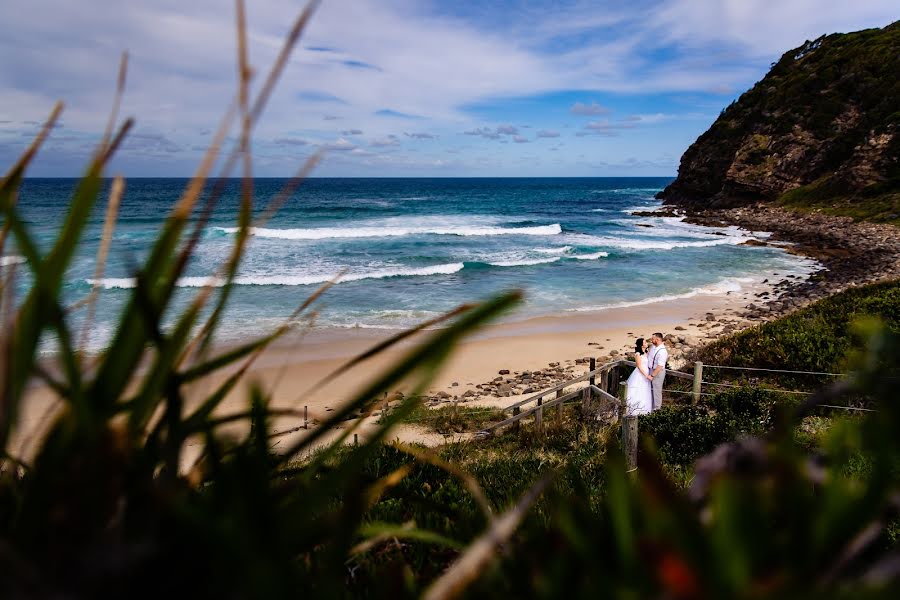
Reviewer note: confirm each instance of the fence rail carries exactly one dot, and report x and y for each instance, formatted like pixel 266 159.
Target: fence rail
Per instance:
pixel 609 389
pixel 602 372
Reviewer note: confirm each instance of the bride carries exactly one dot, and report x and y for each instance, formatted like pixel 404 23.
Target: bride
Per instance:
pixel 639 400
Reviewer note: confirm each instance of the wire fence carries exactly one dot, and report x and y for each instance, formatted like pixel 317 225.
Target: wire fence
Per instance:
pixel 767 390
pixel 732 385
pixel 785 371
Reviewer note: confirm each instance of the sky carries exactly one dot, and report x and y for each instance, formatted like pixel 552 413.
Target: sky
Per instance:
pixel 401 88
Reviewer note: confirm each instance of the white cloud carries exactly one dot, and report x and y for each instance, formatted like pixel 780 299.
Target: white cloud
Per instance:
pixel 495 133
pixel 485 132
pixel 547 133
pixel 289 141
pixel 367 61
pixel 592 109
pixel 385 142
pixel 762 27
pixel 604 128
pixel 339 145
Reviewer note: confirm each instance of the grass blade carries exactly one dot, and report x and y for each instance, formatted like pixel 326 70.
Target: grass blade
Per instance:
pixel 484 549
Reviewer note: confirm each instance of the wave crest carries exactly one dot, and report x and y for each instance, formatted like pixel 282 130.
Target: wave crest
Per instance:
pixel 724 286
pixel 525 262
pixel 592 256
pixel 324 233
pixel 289 280
pixel 562 250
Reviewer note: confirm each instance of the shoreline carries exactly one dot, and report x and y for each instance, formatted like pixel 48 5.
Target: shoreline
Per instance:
pixel 539 352
pixel 850 253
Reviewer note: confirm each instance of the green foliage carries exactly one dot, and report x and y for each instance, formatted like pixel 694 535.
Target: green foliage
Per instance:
pixel 879 203
pixel 816 338
pixel 810 119
pixel 452 418
pixel 683 433
pixel 760 519
pixel 108 503
pixel 109 506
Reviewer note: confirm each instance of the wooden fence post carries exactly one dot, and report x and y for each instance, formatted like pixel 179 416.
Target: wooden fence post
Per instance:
pixel 539 417
pixel 585 400
pixel 516 411
pixel 630 441
pixel 698 380
pixel 306 417
pixel 559 409
pixel 614 381
pixel 592 367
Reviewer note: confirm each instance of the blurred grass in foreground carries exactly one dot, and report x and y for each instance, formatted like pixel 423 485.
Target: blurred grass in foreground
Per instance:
pixel 107 506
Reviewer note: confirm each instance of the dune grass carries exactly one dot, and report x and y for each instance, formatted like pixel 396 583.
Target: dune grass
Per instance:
pixel 108 505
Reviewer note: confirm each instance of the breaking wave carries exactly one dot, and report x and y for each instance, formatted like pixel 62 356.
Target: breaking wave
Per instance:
pixel 324 233
pixel 722 287
pixel 292 280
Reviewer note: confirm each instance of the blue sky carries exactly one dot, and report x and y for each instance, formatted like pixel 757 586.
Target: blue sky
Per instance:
pixel 401 87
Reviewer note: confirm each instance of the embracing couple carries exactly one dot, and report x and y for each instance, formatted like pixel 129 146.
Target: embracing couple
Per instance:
pixel 645 385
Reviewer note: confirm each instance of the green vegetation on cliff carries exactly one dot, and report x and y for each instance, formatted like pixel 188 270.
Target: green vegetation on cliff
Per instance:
pixel 821 129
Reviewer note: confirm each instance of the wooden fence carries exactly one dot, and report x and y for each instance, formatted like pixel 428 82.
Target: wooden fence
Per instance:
pixel 602 382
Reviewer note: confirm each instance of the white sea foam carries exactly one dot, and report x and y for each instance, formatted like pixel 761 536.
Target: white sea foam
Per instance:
pixel 525 262
pixel 11 259
pixel 324 233
pixel 562 250
pixel 716 289
pixel 628 243
pixel 292 280
pixel 642 208
pixel 382 319
pixel 592 256
pixel 627 190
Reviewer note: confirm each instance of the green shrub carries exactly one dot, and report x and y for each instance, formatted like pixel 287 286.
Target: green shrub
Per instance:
pixel 684 433
pixel 816 338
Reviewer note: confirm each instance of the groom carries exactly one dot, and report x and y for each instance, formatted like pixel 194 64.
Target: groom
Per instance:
pixel 656 360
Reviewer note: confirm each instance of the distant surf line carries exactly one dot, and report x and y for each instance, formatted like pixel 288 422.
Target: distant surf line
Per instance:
pixel 324 233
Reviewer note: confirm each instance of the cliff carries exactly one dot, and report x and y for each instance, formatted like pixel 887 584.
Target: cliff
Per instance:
pixel 822 129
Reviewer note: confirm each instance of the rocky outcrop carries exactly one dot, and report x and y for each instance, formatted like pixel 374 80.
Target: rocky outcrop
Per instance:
pixel 824 122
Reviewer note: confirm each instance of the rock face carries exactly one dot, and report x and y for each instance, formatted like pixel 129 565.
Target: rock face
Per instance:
pixel 824 122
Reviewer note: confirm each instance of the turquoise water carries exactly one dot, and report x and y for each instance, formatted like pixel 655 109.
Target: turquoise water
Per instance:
pixel 412 248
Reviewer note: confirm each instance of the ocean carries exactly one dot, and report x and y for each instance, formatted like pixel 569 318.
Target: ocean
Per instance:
pixel 410 249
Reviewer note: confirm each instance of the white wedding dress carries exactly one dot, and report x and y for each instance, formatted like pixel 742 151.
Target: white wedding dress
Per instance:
pixel 639 400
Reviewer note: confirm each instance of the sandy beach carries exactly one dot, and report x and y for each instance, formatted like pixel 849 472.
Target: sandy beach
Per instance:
pixel 290 369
